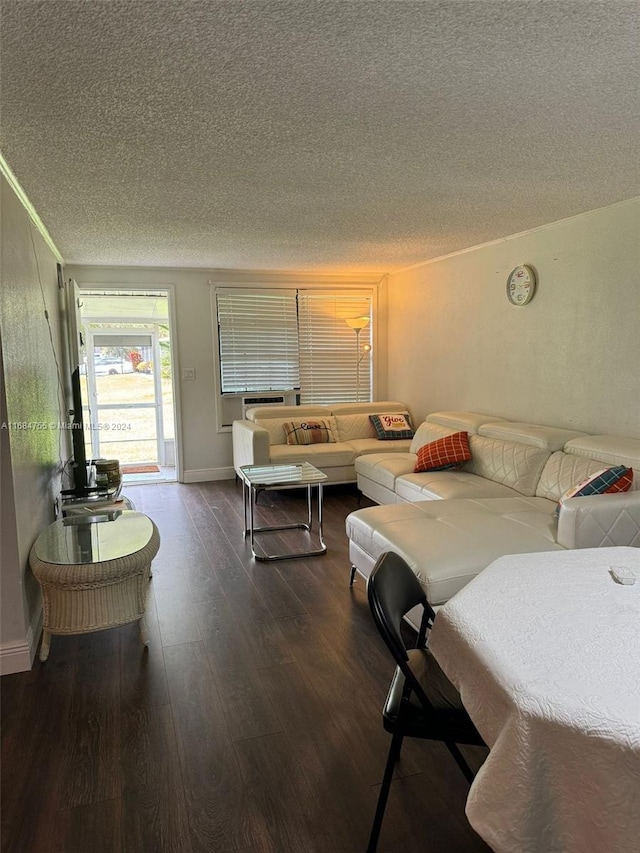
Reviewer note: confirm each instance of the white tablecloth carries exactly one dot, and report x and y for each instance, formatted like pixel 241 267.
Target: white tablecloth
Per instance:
pixel 545 651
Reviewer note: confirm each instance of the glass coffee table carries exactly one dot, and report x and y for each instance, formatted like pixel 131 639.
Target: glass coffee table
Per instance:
pixel 265 477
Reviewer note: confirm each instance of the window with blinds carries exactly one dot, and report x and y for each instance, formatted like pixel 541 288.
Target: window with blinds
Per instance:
pixel 285 340
pixel 335 364
pixel 258 340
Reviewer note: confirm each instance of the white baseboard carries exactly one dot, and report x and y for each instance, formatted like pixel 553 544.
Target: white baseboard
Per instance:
pixel 203 475
pixel 18 656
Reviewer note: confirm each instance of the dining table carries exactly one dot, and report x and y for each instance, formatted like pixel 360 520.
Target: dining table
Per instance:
pixel 544 650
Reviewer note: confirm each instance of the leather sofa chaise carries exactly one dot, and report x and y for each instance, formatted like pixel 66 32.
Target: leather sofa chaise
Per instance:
pixel 450 524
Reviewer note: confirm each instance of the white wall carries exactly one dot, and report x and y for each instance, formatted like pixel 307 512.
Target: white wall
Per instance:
pixel 206 451
pixel 571 357
pixel 32 458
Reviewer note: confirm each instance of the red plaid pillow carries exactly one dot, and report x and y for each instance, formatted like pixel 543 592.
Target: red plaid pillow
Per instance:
pixel 608 481
pixel 447 452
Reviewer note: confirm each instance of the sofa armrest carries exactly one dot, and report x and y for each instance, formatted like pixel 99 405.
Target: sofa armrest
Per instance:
pixel 251 444
pixel 600 521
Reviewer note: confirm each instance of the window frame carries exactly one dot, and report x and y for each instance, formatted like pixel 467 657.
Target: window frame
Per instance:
pixel 367 286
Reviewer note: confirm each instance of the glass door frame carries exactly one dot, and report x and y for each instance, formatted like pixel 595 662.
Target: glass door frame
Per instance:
pixel 89 281
pixel 92 392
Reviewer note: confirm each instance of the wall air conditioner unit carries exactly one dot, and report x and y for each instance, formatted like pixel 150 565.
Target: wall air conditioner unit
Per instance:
pixel 267 400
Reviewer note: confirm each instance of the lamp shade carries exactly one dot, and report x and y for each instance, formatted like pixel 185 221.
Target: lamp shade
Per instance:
pixel 357 322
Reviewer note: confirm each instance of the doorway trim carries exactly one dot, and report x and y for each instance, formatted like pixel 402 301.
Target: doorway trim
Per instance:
pixel 169 290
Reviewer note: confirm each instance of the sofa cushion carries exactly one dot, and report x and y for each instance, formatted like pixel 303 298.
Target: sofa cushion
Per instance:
pixel 368 408
pixel 440 424
pixel 275 427
pixel 261 413
pixel 427 432
pixel 391 425
pixel 320 455
pixel 448 543
pixel 354 426
pixel 309 431
pixel 447 452
pixel 548 438
pixel 384 468
pixel 456 421
pixel 516 465
pixel 610 450
pixel 445 485
pixel 367 446
pixel 562 472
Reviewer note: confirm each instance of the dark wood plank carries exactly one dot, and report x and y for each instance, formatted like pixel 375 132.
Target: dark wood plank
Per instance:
pixel 328 691
pixel 96 828
pixel 261 641
pixel 231 654
pixel 174 608
pixel 31 772
pixel 91 764
pixel 274 591
pixel 416 812
pixel 282 790
pixel 220 815
pixel 90 768
pixel 154 814
pixel 11 699
pixel 142 674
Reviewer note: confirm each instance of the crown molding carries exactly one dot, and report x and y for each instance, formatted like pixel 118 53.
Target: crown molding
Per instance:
pixel 499 240
pixel 13 182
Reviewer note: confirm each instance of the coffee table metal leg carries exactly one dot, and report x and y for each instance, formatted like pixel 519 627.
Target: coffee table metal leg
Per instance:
pixel 252 500
pixel 320 498
pixel 244 505
pixel 265 558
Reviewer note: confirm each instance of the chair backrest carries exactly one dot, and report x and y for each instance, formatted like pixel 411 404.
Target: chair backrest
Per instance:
pixel 393 590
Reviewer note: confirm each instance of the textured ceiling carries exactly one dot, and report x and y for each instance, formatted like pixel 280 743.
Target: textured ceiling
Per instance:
pixel 328 136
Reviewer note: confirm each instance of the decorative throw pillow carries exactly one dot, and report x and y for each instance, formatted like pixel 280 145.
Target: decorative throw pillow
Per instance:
pixel 605 482
pixel 393 425
pixel 447 452
pixel 311 431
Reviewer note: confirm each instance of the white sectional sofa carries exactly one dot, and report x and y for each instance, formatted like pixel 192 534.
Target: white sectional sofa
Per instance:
pixel 451 524
pixel 260 438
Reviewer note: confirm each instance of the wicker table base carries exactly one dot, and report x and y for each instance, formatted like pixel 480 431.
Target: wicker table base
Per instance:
pixel 94 572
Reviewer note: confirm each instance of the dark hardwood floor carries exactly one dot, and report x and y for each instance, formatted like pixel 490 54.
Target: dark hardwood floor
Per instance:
pixel 251 724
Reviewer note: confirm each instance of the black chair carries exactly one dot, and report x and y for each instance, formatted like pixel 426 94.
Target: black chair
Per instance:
pixel 421 701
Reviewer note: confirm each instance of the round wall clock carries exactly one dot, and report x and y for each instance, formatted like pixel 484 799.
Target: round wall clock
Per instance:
pixel 521 284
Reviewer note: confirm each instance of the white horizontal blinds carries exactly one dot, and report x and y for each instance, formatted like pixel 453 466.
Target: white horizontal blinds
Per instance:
pixel 334 367
pixel 258 340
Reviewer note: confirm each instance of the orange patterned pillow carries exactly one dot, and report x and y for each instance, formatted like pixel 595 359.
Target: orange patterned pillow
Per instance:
pixel 312 431
pixel 447 452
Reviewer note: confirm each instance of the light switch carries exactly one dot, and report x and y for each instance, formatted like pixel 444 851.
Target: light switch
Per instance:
pixel 188 373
